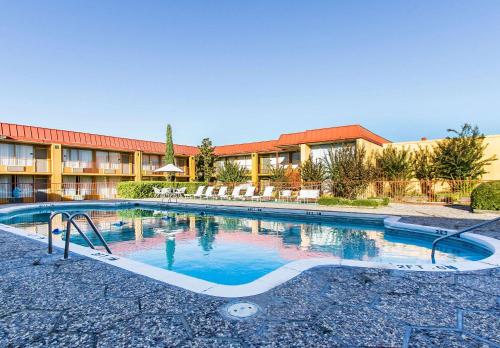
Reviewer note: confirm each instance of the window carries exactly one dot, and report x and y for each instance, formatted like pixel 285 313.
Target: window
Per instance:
pixel 16 155
pixel 5 186
pixel 76 158
pixel 150 162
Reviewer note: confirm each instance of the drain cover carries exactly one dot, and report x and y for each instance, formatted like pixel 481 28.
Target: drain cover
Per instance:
pixel 242 310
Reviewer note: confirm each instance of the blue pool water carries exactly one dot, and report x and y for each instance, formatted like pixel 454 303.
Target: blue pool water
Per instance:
pixel 232 249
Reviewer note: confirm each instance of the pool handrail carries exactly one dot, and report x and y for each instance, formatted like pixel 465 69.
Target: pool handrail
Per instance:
pixel 50 232
pixel 92 225
pixel 458 233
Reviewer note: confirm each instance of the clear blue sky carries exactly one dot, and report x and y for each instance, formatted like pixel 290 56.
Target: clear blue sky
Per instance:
pixel 240 71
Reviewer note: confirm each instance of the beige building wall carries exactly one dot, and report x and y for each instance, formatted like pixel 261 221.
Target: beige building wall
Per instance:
pixel 492 149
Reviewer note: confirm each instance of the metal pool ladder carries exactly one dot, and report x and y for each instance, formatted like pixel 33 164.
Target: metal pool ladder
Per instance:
pixel 70 222
pixel 458 233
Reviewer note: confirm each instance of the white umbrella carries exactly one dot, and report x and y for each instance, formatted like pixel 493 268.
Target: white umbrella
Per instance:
pixel 169 168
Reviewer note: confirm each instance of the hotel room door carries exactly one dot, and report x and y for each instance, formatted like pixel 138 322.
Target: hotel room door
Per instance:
pixel 41 162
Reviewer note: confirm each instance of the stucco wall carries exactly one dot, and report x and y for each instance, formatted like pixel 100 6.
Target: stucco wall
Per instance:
pixel 493 148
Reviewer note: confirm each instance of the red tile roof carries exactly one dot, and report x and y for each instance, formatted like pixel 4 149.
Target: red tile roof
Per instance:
pixel 322 135
pixel 330 134
pixel 49 135
pixel 79 139
pixel 239 149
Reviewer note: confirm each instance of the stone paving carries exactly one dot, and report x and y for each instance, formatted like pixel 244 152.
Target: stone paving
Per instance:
pixel 47 302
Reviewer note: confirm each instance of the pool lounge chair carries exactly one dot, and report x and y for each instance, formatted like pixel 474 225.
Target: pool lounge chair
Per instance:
pixel 198 193
pixel 285 195
pixel 249 194
pixel 222 194
pixel 209 193
pixel 308 195
pixel 236 193
pixel 267 195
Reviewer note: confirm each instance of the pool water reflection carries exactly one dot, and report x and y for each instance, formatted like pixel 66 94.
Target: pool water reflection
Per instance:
pixel 236 250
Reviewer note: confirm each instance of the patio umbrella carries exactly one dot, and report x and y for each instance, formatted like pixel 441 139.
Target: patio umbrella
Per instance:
pixel 170 169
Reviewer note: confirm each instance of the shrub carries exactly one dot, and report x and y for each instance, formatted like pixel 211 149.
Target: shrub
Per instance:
pixel 277 173
pixel 486 196
pixel 312 171
pixel 348 171
pixel 461 157
pixel 232 172
pixel 144 189
pixel 370 202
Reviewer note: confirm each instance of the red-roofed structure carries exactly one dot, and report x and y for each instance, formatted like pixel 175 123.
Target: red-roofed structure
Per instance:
pixel 331 134
pixel 79 139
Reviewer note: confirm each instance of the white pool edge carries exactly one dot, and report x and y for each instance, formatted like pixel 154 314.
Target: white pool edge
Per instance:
pixel 278 276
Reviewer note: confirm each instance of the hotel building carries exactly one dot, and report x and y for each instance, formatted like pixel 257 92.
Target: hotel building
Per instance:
pixel 40 164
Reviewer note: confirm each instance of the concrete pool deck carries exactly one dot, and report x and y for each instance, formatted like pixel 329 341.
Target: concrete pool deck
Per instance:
pixel 82 302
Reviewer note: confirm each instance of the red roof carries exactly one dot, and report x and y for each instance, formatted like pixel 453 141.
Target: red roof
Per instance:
pixel 321 135
pixel 247 148
pixel 330 134
pixel 49 135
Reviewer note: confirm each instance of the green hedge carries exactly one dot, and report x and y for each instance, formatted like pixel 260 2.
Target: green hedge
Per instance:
pixel 370 202
pixel 486 196
pixel 144 189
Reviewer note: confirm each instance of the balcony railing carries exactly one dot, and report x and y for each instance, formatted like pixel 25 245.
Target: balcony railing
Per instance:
pixel 23 165
pixel 76 167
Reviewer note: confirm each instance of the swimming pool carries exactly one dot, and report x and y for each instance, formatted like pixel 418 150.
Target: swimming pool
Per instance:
pixel 237 247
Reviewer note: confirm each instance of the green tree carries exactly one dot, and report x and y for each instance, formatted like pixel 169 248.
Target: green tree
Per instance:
pixel 232 172
pixel 424 168
pixel 277 173
pixel 312 171
pixel 461 156
pixel 205 160
pixel 348 171
pixel 169 147
pixel 395 165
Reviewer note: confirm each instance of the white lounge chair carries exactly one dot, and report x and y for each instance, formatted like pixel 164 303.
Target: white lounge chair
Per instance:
pixel 222 193
pixel 209 193
pixel 198 193
pixel 236 193
pixel 308 195
pixel 156 192
pixel 249 194
pixel 285 195
pixel 267 195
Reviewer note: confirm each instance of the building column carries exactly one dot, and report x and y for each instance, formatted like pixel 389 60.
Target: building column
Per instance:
pixel 192 168
pixel 305 152
pixel 255 169
pixel 56 170
pixel 138 166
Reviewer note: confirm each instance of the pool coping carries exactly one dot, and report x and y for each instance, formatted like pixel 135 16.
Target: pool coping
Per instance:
pixel 278 276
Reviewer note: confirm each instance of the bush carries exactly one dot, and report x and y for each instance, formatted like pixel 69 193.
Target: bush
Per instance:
pixel 370 202
pixel 232 172
pixel 144 189
pixel 486 196
pixel 348 171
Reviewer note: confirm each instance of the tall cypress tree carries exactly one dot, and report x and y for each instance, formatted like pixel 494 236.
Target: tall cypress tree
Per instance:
pixel 169 147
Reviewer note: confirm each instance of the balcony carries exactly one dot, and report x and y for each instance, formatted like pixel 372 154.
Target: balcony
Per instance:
pixel 25 166
pixel 80 167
